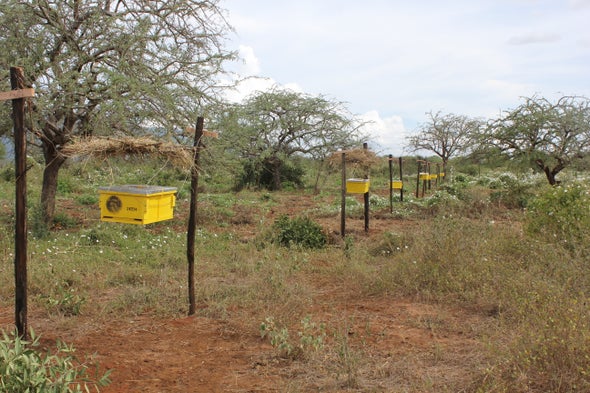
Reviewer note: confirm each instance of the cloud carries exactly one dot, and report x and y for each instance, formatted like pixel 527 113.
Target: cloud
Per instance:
pixel 387 133
pixel 534 38
pixel 402 59
pixel 251 64
pixel 246 87
pixel 248 80
pixel 579 4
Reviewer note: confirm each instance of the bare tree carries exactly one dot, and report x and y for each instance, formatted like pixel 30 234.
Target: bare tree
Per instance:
pixel 106 66
pixel 445 135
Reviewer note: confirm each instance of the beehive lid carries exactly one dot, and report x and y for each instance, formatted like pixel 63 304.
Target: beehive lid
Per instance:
pixel 137 189
pixel 352 180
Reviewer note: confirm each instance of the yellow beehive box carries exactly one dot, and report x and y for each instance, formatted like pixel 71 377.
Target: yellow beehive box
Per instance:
pixel 433 177
pixel 424 176
pixel 136 204
pixel 397 185
pixel 357 186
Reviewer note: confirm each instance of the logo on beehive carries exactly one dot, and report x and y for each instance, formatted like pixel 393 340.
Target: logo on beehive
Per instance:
pixel 114 204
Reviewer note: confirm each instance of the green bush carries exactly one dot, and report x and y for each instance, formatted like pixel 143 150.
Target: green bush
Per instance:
pixel 301 231
pixel 24 369
pixel 87 199
pixel 65 185
pixel 7 174
pixel 62 220
pixel 259 174
pixel 311 338
pixel 378 202
pixel 561 214
pixel 511 191
pixel 2 150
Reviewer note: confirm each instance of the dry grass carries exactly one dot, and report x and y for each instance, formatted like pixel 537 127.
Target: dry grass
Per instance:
pixel 361 159
pixel 101 148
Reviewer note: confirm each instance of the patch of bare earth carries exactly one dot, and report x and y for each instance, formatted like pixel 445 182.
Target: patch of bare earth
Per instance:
pixel 373 344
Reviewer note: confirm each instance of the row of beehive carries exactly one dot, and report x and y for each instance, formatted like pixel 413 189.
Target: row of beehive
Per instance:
pixel 361 186
pixel 430 176
pixel 138 204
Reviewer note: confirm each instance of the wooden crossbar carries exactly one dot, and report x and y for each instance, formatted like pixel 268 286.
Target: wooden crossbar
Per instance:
pixel 16 94
pixel 207 133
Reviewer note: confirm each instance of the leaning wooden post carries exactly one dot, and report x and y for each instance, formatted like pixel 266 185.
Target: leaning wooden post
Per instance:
pixel 401 179
pixel 418 179
pixel 391 184
pixel 343 203
pixel 366 195
pixel 20 233
pixel 429 177
pixel 192 220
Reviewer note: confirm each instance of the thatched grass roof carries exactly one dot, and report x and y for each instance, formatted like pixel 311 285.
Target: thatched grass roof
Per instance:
pixel 105 147
pixel 363 159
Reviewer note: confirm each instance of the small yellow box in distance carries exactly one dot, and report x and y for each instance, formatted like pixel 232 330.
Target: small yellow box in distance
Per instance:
pixel 424 176
pixel 397 184
pixel 433 177
pixel 136 204
pixel 357 186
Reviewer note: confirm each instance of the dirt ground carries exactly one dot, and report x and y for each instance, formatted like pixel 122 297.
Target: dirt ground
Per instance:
pixel 386 345
pixel 405 345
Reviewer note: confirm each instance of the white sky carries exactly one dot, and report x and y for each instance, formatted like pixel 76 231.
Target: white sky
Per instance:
pixel 392 61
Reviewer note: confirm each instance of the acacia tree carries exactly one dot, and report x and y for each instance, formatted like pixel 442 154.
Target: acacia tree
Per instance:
pixel 272 127
pixel 105 66
pixel 550 135
pixel 445 135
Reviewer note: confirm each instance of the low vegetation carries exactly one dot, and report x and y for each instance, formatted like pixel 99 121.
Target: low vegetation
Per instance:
pixel 503 247
pixel 25 368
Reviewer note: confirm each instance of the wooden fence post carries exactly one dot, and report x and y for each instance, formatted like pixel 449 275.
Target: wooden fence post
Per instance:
pixel 192 220
pixel 20 238
pixel 418 179
pixel 343 203
pixel 366 195
pixel 401 178
pixel 391 184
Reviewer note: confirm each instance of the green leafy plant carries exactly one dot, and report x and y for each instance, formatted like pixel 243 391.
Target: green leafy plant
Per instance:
pixel 301 231
pixel 87 199
pixel 278 337
pixel 23 369
pixel 311 337
pixel 7 174
pixel 62 220
pixel 66 302
pixel 561 213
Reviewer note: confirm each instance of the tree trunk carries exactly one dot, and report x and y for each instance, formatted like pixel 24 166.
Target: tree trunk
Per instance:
pixel 276 174
pixel 316 186
pixel 550 176
pixel 550 173
pixel 275 165
pixel 53 163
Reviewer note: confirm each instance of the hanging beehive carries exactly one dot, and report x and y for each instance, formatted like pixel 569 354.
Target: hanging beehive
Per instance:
pixel 357 186
pixel 397 185
pixel 136 204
